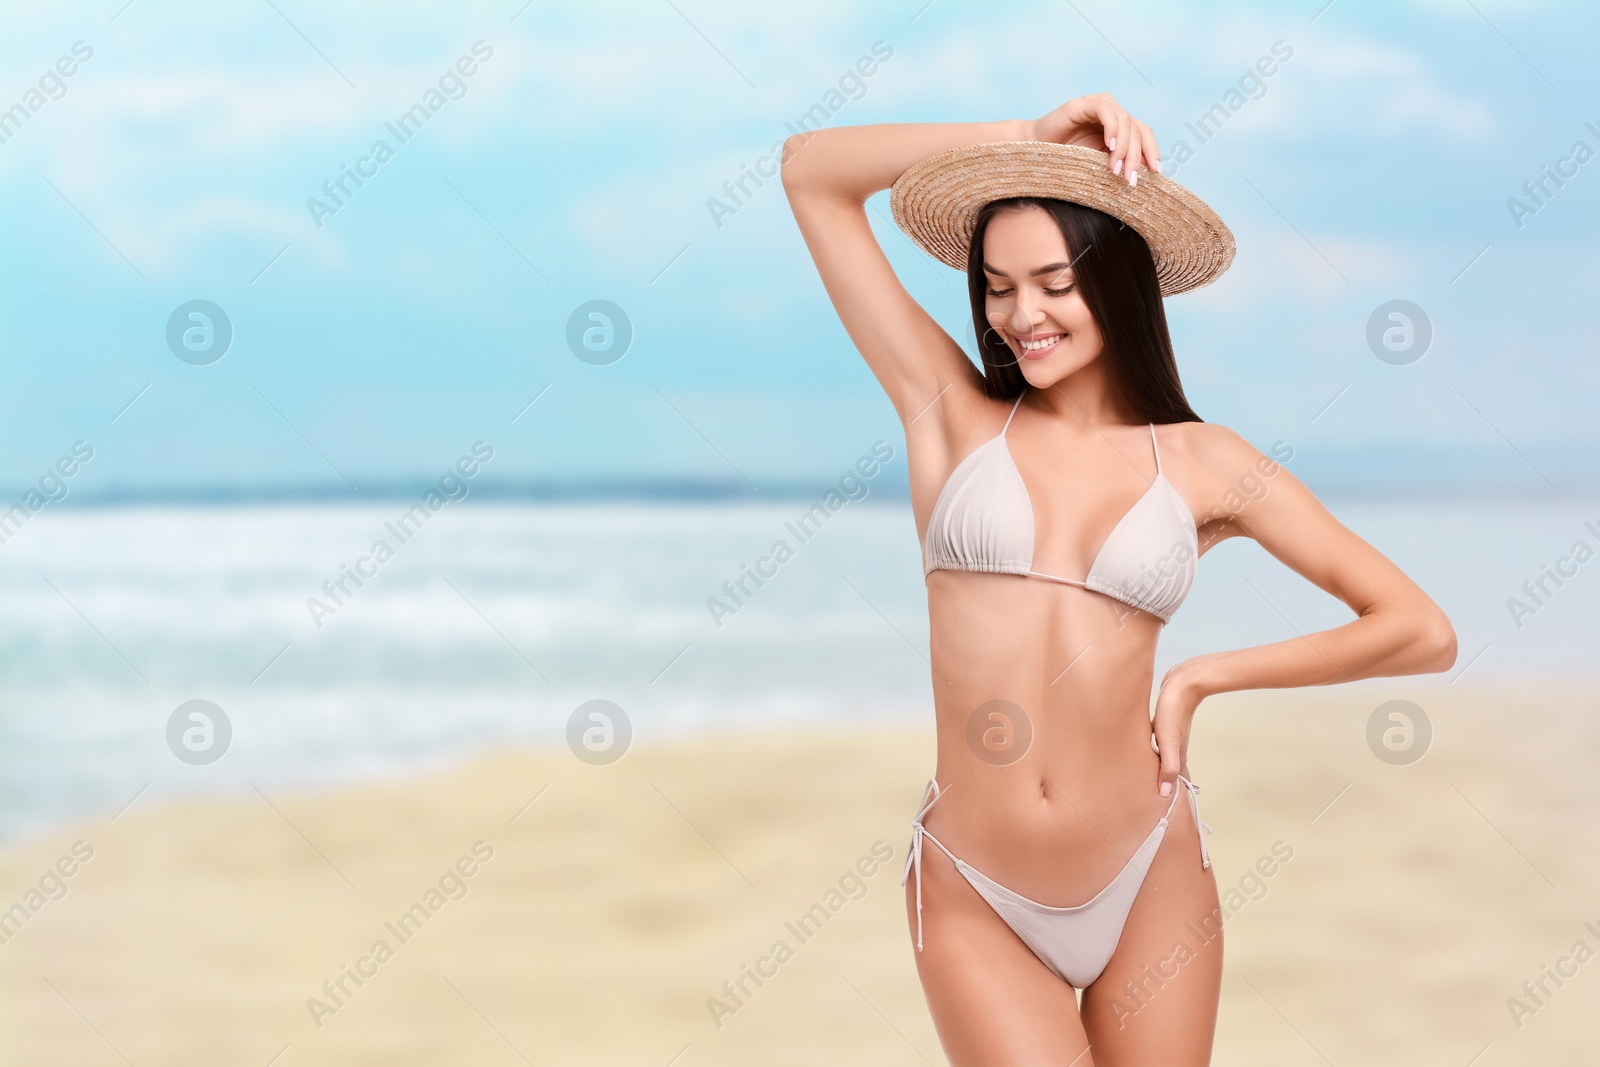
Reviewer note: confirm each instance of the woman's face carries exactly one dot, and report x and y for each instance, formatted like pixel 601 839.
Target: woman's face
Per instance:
pixel 1032 299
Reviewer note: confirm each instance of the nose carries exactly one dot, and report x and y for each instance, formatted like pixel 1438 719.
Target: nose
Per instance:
pixel 1016 316
pixel 1023 318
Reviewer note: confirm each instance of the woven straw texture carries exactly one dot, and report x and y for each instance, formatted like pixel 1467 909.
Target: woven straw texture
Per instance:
pixel 936 203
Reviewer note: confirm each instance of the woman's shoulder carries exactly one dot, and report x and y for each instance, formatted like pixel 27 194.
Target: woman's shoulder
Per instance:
pixel 1208 451
pixel 1205 438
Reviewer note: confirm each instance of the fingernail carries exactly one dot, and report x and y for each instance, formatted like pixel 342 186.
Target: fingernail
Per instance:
pixel 1166 789
pixel 1116 168
pixel 1133 178
pixel 1111 143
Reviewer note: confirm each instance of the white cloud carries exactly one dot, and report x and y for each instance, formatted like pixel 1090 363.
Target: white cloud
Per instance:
pixel 160 141
pixel 1345 74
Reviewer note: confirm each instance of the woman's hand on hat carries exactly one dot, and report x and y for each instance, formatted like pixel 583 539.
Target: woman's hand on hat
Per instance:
pixel 1097 121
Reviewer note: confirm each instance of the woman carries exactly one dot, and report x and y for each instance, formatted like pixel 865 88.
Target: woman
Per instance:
pixel 1062 496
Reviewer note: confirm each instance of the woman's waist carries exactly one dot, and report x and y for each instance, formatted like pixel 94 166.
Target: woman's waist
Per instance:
pixel 1049 778
pixel 1009 723
pixel 1017 752
pixel 1041 665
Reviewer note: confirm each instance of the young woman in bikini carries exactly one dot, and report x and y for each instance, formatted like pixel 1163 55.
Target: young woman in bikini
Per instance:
pixel 1063 494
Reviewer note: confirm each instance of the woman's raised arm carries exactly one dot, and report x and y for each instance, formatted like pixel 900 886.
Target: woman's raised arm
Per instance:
pixel 829 174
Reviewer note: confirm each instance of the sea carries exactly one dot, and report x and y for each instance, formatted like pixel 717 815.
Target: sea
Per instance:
pixel 494 623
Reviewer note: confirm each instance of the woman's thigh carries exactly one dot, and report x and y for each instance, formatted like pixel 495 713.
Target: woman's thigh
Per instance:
pixel 993 1003
pixel 1156 1001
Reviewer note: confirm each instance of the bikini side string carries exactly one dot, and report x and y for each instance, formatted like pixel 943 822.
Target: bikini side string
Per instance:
pixel 1194 809
pixel 914 855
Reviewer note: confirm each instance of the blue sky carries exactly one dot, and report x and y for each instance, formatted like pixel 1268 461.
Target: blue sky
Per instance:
pixel 576 162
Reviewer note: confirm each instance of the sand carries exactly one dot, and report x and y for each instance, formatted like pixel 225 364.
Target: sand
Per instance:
pixel 597 923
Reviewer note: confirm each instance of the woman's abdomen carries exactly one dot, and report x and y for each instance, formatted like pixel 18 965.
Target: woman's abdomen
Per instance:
pixel 1041 697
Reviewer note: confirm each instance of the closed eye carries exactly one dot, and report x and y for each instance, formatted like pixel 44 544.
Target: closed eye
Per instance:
pixel 1047 292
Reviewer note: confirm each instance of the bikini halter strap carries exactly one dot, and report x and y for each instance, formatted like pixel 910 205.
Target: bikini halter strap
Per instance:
pixel 1013 414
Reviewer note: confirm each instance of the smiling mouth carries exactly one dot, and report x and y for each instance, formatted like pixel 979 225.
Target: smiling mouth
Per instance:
pixel 1041 346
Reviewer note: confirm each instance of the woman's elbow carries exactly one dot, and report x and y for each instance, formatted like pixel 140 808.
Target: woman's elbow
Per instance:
pixel 1436 641
pixel 790 173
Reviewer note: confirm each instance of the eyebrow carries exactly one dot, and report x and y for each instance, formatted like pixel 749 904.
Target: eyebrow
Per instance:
pixel 1049 268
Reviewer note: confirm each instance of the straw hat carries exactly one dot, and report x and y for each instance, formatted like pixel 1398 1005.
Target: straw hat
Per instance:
pixel 936 202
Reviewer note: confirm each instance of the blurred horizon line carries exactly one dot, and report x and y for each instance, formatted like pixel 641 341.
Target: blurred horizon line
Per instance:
pixel 702 491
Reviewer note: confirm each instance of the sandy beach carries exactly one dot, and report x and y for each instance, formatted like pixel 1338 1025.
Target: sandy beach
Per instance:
pixel 449 920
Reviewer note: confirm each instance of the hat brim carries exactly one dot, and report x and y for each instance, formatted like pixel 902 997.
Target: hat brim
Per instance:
pixel 936 202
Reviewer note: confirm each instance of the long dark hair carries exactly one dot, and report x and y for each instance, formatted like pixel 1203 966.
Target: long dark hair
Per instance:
pixel 1116 274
